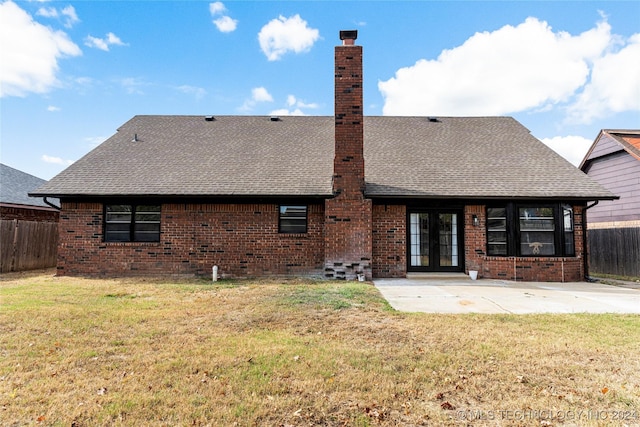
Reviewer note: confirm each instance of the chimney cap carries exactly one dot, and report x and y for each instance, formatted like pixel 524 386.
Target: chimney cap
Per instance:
pixel 348 34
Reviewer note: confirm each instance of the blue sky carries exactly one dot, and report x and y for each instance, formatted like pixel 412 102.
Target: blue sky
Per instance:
pixel 72 72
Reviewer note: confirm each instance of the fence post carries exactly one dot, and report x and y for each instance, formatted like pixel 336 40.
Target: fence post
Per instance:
pixel 14 247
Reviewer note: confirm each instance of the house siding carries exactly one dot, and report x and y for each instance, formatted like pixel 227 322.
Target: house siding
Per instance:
pixel 538 269
pixel 606 145
pixel 620 174
pixel 241 239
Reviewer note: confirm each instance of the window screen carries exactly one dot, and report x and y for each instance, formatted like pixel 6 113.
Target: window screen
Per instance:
pixel 132 223
pixel 293 219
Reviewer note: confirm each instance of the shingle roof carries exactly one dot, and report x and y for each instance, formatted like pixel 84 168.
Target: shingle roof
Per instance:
pixel 478 157
pixel 622 139
pixel 15 184
pixel 629 140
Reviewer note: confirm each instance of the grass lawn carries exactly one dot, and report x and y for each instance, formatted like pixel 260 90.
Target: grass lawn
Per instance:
pixel 138 352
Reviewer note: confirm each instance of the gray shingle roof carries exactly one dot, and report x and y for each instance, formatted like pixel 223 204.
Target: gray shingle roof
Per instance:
pixel 476 157
pixel 15 186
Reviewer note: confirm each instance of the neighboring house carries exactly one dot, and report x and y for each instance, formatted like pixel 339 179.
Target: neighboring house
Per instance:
pixel 614 161
pixel 328 196
pixel 28 226
pixel 15 202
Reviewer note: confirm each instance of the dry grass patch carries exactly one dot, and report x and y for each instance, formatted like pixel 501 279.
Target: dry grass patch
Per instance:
pixel 86 352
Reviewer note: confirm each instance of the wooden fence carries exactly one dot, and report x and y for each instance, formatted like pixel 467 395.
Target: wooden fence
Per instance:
pixel 27 245
pixel 615 251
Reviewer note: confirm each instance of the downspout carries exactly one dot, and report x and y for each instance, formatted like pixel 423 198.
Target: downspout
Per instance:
pixel 44 199
pixel 585 248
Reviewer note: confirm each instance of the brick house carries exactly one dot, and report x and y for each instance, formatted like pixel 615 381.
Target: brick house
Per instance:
pixel 324 196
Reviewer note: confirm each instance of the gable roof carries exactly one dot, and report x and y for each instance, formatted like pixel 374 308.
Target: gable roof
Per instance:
pixel 465 157
pixel 616 140
pixel 468 157
pixel 15 186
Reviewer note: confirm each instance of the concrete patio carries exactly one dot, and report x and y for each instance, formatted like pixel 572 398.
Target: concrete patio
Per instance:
pixel 457 293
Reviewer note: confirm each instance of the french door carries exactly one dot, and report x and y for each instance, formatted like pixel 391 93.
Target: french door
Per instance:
pixel 435 241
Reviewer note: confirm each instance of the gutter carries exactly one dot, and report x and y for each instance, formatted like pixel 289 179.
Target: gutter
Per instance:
pixel 584 243
pixel 44 199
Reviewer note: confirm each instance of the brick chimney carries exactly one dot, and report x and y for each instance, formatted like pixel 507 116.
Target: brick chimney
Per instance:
pixel 348 238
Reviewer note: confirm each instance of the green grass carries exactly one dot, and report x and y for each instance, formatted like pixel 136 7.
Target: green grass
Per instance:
pixel 332 295
pixel 144 352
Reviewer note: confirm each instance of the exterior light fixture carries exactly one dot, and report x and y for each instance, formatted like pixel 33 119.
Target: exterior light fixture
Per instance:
pixel 475 220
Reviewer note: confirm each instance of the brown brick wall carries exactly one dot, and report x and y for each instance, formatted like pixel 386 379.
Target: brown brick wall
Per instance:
pixel 539 269
pixel 389 241
pixel 29 214
pixel 241 239
pixel 348 238
pixel 348 165
pixel 348 216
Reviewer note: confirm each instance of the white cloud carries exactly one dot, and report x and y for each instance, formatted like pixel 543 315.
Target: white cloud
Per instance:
pixel 96 42
pixel 258 94
pixel 286 112
pixel 573 148
pixel 30 52
pixel 284 35
pixel 68 13
pixel 48 12
pixel 56 160
pixel 294 106
pixel 614 85
pixel 53 108
pixel 103 44
pixel 133 85
pixel 512 69
pixel 216 8
pixel 292 100
pixel 224 23
pixel 198 92
pixel 113 39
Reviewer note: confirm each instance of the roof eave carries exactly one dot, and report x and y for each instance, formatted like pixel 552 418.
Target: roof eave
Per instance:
pixel 23 206
pixel 95 196
pixel 492 197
